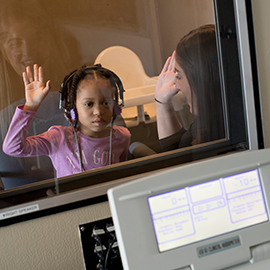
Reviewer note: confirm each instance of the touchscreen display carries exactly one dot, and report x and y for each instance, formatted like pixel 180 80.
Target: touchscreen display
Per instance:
pixel 198 212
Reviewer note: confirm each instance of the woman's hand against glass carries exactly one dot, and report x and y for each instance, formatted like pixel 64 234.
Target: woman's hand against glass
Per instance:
pixel 166 84
pixel 35 92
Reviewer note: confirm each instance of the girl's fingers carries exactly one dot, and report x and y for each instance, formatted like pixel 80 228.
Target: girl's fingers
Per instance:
pixel 28 77
pixel 36 73
pixel 29 74
pixel 40 72
pixel 25 79
pixel 48 86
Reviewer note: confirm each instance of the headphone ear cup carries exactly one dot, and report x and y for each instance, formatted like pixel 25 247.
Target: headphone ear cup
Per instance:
pixel 70 114
pixel 117 110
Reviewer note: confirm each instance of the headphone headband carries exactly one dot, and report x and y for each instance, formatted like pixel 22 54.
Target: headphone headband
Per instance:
pixel 64 102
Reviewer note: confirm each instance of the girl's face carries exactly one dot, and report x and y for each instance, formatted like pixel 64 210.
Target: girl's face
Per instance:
pixel 95 106
pixel 183 84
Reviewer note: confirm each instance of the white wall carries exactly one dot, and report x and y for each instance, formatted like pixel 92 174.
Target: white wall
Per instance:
pixel 53 242
pixel 188 14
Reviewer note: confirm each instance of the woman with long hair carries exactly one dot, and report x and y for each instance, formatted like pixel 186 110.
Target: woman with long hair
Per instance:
pixel 192 69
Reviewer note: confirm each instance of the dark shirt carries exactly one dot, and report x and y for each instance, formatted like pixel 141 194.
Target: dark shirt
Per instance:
pixel 182 138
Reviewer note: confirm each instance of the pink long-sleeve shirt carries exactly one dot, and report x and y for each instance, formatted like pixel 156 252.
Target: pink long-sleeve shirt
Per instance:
pixel 59 144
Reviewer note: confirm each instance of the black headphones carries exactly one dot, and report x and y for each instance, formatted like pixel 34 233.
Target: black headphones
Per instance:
pixel 115 80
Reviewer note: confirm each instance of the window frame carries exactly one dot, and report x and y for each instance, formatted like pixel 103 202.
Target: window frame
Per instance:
pixel 236 39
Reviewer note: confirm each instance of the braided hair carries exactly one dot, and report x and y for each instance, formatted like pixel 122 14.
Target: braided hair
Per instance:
pixel 72 81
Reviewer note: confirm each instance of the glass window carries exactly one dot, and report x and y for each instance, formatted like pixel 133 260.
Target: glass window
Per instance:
pixel 204 115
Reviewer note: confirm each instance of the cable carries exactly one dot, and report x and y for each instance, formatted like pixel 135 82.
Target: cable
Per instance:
pixel 108 252
pixel 96 234
pixel 78 145
pixel 110 154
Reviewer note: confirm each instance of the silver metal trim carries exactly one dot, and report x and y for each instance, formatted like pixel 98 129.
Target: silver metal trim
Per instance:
pixel 246 72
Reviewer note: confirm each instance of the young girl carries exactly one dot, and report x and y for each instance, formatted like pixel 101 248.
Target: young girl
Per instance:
pixel 86 143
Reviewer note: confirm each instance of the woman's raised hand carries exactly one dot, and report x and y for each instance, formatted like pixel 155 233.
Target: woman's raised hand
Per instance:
pixel 35 92
pixel 166 84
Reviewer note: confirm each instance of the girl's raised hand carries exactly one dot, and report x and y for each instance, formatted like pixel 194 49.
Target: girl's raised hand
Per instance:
pixel 166 87
pixel 35 92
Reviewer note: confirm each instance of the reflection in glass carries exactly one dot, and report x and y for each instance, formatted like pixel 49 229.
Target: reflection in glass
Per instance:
pixel 61 37
pixel 28 36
